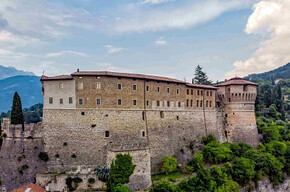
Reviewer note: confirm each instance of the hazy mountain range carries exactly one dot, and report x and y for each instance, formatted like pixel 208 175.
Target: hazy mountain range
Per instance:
pixel 6 72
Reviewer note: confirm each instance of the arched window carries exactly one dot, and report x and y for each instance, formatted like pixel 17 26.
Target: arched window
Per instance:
pixel 197 103
pixel 200 103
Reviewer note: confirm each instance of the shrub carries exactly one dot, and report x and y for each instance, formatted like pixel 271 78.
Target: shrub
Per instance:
pixel 229 186
pixel 238 149
pixel 72 183
pixel 121 188
pixel 196 162
pixel 169 164
pixel 243 170
pixel 121 169
pixel 271 133
pixel 216 153
pixel 91 180
pixel 208 139
pixel 103 173
pixel 218 175
pixel 276 148
pixel 163 186
pixel 43 156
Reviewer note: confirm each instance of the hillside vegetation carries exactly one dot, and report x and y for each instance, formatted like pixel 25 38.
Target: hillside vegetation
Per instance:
pixel 279 73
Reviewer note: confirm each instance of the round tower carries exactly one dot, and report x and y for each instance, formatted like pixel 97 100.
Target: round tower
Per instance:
pixel 238 96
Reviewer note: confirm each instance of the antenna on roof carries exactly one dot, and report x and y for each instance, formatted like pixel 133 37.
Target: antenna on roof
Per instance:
pixel 78 70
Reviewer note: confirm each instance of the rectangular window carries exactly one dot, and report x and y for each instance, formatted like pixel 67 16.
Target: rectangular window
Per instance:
pixel 206 104
pixel 179 104
pixel 98 101
pixel 187 103
pixel 98 85
pixel 80 85
pixel 168 90
pixel 200 103
pixel 210 104
pixel 119 102
pixel 134 102
pixel 177 91
pixel 187 91
pixel 161 114
pixel 107 134
pixel 168 103
pixel 158 89
pixel 119 86
pixel 158 103
pixel 70 100
pixel 61 85
pixel 147 87
pixel 143 134
pixel 207 93
pixel 201 93
pixel 191 103
pixel 191 91
pixel 134 87
pixel 197 103
pixel 81 101
pixel 210 93
pixel 147 102
pixel 197 92
pixel 60 101
pixel 50 100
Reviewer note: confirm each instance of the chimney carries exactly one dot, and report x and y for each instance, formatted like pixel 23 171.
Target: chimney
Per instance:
pixel 78 70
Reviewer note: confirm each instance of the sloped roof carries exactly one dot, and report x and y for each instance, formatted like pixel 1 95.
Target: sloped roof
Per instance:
pixel 127 75
pixel 60 77
pixel 236 81
pixel 30 188
pixel 200 86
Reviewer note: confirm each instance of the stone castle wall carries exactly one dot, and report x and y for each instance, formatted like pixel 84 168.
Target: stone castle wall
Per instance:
pixel 19 160
pixel 78 137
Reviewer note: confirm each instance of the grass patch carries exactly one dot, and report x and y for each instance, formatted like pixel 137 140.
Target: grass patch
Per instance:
pixel 173 177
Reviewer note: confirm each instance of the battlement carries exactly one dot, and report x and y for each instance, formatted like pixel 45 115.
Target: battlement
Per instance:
pixel 16 131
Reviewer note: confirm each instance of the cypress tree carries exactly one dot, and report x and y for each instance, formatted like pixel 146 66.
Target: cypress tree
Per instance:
pixel 16 113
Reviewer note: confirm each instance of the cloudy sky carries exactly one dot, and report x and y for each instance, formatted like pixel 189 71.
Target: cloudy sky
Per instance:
pixel 161 37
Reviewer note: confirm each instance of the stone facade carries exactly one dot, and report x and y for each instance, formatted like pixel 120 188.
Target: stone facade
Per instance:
pixel 19 160
pixel 89 117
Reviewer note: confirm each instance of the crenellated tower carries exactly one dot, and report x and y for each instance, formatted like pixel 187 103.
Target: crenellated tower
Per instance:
pixel 238 96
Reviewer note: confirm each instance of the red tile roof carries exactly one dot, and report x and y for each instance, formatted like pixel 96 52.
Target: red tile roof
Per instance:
pixel 201 86
pixel 60 77
pixel 30 188
pixel 124 75
pixel 236 81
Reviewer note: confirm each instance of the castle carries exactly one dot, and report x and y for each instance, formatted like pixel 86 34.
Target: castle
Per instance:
pixel 89 117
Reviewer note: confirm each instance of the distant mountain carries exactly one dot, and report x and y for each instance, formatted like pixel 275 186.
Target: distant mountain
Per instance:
pixel 28 87
pixel 279 73
pixel 6 72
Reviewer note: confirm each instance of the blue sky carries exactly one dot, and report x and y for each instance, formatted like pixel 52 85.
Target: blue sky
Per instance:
pixel 161 37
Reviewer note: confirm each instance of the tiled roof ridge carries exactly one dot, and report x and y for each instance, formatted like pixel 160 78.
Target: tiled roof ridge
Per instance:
pixel 128 75
pixel 236 81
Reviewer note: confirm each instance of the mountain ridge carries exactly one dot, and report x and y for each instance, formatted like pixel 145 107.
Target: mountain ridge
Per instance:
pixel 6 72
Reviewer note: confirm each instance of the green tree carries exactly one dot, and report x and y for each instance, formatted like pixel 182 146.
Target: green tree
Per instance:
pixel 169 164
pixel 200 77
pixel 121 188
pixel 16 113
pixel 243 170
pixel 120 171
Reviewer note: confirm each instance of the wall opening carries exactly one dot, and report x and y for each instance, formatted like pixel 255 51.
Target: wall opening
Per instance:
pixel 162 114
pixel 107 134
pixel 82 113
pixel 143 134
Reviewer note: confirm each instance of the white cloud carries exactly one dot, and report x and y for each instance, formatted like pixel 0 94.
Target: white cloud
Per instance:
pixel 160 41
pixel 66 52
pixel 110 67
pixel 268 17
pixel 113 49
pixel 156 1
pixel 178 17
